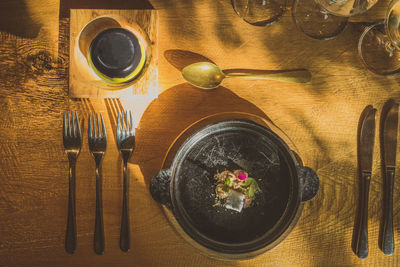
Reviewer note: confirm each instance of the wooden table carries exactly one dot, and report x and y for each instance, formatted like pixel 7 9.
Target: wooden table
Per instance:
pixel 321 118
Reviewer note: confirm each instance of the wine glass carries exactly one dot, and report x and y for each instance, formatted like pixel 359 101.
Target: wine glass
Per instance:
pixel 259 12
pixel 325 19
pixel 379 44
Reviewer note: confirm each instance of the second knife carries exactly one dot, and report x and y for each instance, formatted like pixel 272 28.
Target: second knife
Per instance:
pixel 389 163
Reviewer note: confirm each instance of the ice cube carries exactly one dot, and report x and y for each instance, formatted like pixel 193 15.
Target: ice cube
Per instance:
pixel 235 201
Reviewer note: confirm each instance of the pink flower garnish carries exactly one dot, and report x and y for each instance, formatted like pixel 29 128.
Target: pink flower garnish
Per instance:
pixel 242 176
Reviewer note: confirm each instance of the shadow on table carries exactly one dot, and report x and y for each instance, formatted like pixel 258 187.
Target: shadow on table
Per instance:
pixel 174 110
pixel 66 5
pixel 15 18
pixel 182 58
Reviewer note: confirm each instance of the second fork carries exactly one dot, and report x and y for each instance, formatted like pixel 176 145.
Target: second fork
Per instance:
pixel 97 138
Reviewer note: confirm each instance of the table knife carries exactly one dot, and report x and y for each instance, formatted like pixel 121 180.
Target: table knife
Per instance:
pixel 365 153
pixel 389 162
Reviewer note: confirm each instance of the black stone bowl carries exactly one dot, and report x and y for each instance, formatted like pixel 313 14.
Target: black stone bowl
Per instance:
pixel 188 187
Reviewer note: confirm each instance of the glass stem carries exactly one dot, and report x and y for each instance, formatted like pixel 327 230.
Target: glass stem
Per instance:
pixel 389 48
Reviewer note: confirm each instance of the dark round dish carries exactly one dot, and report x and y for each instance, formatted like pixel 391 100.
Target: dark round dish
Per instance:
pixel 115 52
pixel 188 187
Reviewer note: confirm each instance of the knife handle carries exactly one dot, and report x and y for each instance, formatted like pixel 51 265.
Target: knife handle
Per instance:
pixel 388 239
pixel 362 234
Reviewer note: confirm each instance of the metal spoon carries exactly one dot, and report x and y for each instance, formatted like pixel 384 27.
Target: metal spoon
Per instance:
pixel 207 75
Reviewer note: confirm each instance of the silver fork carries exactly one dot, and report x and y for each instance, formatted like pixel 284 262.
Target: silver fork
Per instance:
pixel 97 138
pixel 72 140
pixel 126 144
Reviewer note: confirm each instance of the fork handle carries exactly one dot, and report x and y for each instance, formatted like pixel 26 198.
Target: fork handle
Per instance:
pixel 99 224
pixel 125 236
pixel 70 235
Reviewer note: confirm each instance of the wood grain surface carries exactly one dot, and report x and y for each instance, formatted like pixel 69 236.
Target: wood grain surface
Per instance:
pixel 321 119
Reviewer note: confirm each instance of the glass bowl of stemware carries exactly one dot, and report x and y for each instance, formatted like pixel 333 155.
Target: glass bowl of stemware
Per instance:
pixel 325 19
pixel 379 44
pixel 259 12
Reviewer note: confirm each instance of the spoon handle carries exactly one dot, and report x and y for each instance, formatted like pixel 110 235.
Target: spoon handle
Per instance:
pixel 295 76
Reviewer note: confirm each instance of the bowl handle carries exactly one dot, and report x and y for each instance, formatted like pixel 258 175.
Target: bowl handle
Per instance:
pixel 159 187
pixel 309 183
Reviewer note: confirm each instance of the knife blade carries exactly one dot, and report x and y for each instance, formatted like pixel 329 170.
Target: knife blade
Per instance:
pixel 390 136
pixel 366 142
pixel 390 124
pixel 365 155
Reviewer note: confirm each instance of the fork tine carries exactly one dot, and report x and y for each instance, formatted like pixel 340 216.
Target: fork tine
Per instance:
pixel 73 125
pixel 69 125
pixel 123 124
pixel 90 132
pixel 78 130
pixel 94 126
pixel 99 133
pixel 104 133
pixel 119 126
pixel 65 125
pixel 132 127
pixel 127 123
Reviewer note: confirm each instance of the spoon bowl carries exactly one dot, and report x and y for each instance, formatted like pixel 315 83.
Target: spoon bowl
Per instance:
pixel 206 75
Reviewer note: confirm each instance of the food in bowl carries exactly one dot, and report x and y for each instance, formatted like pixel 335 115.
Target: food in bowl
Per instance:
pixel 235 190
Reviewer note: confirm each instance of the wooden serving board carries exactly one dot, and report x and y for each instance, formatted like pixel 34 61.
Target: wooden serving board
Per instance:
pixel 80 85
